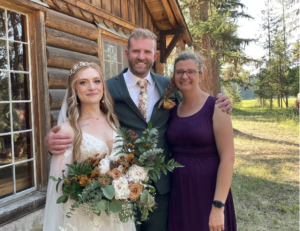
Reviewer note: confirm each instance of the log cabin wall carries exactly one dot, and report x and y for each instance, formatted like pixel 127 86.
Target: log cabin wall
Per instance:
pixel 72 36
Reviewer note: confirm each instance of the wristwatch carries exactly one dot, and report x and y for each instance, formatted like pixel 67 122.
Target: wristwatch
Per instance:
pixel 218 204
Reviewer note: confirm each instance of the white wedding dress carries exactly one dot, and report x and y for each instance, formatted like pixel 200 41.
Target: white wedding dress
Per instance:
pixel 81 220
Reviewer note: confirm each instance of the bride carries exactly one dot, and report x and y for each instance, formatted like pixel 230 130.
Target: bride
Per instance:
pixel 87 116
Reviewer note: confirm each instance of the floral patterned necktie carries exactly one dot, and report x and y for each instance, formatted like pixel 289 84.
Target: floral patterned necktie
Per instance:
pixel 143 98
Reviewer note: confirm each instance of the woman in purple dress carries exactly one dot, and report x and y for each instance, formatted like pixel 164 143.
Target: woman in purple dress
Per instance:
pixel 201 138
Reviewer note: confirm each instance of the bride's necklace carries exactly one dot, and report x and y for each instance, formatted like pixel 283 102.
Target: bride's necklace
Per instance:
pixel 91 117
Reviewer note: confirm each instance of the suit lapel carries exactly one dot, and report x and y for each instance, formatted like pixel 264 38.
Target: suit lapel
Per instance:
pixel 123 90
pixel 160 86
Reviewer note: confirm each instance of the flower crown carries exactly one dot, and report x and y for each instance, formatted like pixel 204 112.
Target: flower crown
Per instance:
pixel 78 66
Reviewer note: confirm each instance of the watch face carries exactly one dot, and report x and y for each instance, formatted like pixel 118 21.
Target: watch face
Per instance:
pixel 218 204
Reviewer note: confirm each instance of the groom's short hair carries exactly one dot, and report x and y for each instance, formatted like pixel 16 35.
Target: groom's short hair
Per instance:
pixel 142 34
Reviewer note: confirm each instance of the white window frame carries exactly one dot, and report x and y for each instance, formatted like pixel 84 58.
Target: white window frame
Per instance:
pixel 29 73
pixel 123 58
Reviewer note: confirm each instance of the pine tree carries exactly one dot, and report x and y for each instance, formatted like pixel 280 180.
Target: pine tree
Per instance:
pixel 213 25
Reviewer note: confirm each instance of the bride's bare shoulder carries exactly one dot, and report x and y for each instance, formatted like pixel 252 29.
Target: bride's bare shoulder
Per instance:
pixel 66 129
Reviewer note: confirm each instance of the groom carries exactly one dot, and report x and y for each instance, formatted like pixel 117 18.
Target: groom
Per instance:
pixel 134 112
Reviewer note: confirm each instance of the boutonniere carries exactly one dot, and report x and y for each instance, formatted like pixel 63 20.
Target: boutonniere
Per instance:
pixel 169 99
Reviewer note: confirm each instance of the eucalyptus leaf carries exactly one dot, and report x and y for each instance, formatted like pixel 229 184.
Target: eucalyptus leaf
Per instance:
pixel 102 205
pixel 115 206
pixel 153 131
pixel 108 191
pixel 138 141
pixel 53 178
pixel 148 168
pixel 149 163
pixel 62 199
pixel 151 188
pixel 144 197
pixel 150 125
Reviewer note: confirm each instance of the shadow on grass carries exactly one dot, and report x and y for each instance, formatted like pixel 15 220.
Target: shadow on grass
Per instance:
pixel 242 134
pixel 260 203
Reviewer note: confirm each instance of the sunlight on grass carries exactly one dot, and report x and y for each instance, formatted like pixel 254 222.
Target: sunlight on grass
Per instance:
pixel 266 174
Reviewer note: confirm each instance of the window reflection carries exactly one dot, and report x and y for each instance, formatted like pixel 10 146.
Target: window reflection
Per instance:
pixel 4 94
pixel 5 150
pixel 22 146
pixel 17 56
pixel 19 86
pixel 6 182
pixel 5 118
pixel 2 23
pixel 3 55
pixel 21 116
pixel 16 26
pixel 24 176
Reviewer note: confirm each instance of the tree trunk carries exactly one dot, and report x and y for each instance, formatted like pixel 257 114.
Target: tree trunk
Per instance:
pixel 286 101
pixel 210 81
pixel 278 100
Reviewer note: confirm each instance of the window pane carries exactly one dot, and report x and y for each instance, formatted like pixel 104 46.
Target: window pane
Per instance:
pixel 114 70
pixel 21 116
pixel 119 54
pixel 5 150
pixel 24 176
pixel 2 23
pixel 106 51
pixel 4 118
pixel 6 182
pixel 107 70
pixel 22 146
pixel 16 26
pixel 113 53
pixel 4 95
pixel 120 69
pixel 3 54
pixel 19 86
pixel 17 56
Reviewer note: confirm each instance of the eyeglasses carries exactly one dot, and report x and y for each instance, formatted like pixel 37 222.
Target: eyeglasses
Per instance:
pixel 190 72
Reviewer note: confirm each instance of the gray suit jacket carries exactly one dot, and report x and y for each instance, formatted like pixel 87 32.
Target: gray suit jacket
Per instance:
pixel 131 118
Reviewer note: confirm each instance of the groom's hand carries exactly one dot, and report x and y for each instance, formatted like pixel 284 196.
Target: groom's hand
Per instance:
pixel 224 102
pixel 57 143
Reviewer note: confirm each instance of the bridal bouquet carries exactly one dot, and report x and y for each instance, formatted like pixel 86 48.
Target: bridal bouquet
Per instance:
pixel 121 186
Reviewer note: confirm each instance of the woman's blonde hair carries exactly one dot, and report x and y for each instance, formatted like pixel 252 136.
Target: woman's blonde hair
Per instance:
pixel 73 104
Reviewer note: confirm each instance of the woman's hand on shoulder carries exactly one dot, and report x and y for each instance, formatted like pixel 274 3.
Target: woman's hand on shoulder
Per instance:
pixel 216 219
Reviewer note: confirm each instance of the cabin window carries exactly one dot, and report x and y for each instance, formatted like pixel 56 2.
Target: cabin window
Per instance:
pixel 114 58
pixel 17 157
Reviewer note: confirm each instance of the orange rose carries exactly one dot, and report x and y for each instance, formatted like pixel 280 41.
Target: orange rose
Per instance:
pixel 135 190
pixel 168 104
pixel 115 173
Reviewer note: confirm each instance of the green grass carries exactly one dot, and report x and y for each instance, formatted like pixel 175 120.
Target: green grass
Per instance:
pixel 266 174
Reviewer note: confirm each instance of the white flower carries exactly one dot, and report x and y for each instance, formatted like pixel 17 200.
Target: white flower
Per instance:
pixel 121 188
pixel 137 174
pixel 104 165
pixel 151 201
pixel 120 168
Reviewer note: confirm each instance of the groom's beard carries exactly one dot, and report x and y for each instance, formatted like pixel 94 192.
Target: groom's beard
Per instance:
pixel 136 70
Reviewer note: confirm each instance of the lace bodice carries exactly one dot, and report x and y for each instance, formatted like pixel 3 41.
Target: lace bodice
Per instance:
pixel 91 145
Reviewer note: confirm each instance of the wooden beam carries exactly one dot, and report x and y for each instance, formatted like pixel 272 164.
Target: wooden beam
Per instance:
pixel 181 21
pixel 22 5
pixel 40 95
pixel 104 14
pixel 169 13
pixel 164 50
pixel 58 78
pixel 56 98
pixel 181 44
pixel 71 25
pixel 112 36
pixel 70 42
pixel 66 59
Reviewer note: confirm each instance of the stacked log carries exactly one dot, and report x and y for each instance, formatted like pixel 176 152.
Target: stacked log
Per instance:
pixel 68 41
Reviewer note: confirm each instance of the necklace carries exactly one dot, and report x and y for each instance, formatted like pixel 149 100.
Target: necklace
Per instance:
pixel 97 118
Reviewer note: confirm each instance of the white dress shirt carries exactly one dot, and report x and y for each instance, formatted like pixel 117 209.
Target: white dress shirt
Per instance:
pixel 134 91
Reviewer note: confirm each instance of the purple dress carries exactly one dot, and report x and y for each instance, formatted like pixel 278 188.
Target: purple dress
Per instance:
pixel 193 145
